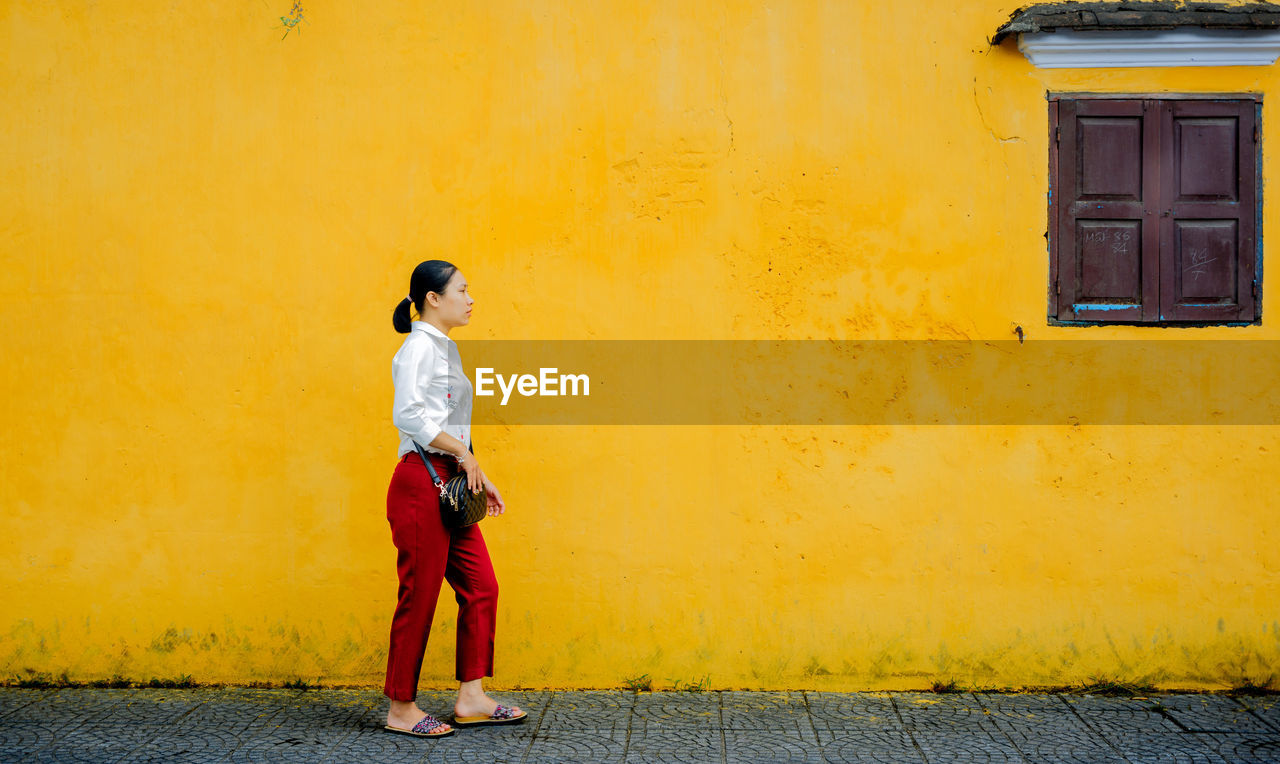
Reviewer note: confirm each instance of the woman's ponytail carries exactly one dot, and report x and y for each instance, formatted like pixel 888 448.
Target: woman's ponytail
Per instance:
pixel 401 317
pixel 429 276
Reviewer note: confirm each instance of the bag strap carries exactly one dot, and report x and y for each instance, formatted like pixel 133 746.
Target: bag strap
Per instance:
pixel 435 479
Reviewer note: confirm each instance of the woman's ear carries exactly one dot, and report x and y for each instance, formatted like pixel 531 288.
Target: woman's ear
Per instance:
pixel 433 299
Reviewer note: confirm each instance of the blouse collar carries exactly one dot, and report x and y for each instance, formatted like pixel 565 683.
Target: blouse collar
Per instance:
pixel 423 326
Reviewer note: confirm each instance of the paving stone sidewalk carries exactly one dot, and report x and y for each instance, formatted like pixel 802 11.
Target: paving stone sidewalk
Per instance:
pixel 198 725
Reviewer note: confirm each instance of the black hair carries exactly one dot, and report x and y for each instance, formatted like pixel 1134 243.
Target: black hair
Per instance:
pixel 429 276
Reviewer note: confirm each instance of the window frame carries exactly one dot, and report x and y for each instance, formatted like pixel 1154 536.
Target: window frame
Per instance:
pixel 1052 233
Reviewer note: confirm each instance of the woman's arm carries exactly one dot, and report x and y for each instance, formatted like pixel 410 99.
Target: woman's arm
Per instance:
pixel 422 418
pixel 466 460
pixel 476 479
pixel 414 413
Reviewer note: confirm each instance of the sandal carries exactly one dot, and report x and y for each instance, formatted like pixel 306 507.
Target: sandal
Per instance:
pixel 500 715
pixel 428 727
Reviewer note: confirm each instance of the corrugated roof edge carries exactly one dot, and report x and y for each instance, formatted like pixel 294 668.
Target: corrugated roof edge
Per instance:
pixel 1162 14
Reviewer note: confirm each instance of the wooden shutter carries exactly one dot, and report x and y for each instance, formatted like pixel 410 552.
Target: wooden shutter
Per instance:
pixel 1208 224
pixel 1108 243
pixel 1155 215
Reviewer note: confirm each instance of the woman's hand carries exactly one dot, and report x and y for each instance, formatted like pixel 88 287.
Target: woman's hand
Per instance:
pixel 475 476
pixel 496 505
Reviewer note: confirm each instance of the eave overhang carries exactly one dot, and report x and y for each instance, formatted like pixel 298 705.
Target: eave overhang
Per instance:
pixel 1161 33
pixel 1134 16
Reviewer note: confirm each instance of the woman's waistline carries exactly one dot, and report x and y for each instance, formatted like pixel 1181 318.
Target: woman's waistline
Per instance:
pixel 442 462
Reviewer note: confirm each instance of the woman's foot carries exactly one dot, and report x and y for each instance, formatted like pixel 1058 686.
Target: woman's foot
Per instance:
pixel 407 716
pixel 482 706
pixel 474 707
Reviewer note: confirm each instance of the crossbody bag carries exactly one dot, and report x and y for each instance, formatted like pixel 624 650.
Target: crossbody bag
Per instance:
pixel 459 505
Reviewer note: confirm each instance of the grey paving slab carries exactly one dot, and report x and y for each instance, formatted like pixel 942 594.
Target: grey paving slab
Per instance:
pixel 189 744
pixel 62 704
pixel 656 712
pixel 336 707
pixel 1023 707
pixel 872 745
pixel 236 711
pixel 374 744
pixel 1073 747
pixel 221 725
pixel 1266 708
pixel 609 711
pixel 837 713
pixel 291 742
pixel 1121 716
pixel 1180 748
pixel 1211 713
pixel 506 745
pixel 781 712
pixel 148 706
pixel 368 741
pixel 1061 726
pixel 14 699
pixel 21 740
pixel 216 725
pixel 680 745
pixel 100 742
pixel 553 746
pixel 968 744
pixel 1248 749
pixel 1047 728
pixel 763 745
pixel 925 711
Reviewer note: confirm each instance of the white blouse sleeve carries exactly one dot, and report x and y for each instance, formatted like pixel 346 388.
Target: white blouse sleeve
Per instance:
pixel 415 414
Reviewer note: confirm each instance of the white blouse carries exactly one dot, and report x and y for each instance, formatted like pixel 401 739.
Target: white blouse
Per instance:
pixel 433 394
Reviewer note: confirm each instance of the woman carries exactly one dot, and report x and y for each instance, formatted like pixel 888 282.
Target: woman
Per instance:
pixel 433 408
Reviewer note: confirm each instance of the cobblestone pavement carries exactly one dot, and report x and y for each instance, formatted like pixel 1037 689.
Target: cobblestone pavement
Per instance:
pixel 84 725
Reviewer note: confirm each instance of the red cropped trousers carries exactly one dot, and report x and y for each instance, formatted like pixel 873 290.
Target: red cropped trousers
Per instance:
pixel 427 554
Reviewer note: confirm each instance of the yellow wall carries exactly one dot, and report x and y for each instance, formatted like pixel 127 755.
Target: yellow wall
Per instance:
pixel 204 229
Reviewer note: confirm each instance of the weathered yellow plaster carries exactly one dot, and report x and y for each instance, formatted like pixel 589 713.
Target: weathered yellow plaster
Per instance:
pixel 204 229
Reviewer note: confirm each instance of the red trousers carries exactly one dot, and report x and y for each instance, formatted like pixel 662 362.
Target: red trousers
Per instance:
pixel 428 553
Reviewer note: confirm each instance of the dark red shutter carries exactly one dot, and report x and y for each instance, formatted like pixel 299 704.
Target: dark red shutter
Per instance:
pixel 1208 224
pixel 1108 243
pixel 1155 215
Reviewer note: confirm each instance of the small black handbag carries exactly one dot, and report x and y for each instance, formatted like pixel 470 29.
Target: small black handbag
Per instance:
pixel 459 505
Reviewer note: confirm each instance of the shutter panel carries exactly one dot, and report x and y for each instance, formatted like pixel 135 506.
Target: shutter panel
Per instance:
pixel 1108 243
pixel 1208 224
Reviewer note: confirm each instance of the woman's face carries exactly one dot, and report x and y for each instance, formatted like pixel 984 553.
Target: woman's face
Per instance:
pixel 453 307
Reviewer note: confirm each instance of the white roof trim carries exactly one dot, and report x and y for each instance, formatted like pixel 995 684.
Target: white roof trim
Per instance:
pixel 1066 48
